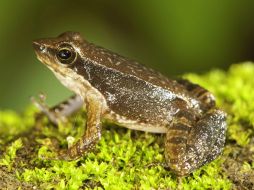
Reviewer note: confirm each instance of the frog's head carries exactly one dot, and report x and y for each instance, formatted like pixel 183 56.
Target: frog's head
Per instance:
pixel 61 51
pixel 62 55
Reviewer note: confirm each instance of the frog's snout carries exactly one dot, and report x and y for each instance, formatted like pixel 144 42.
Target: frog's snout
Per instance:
pixel 38 46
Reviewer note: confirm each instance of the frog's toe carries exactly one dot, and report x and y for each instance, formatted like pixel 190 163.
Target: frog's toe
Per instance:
pixel 53 114
pixel 190 147
pixel 40 102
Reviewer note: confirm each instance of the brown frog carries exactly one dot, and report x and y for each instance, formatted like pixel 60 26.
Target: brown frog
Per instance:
pixel 131 95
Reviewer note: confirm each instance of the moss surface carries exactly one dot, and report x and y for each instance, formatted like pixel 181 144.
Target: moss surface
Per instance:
pixel 122 157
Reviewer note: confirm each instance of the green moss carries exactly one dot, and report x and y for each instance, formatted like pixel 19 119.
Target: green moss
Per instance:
pixel 10 154
pixel 12 124
pixel 123 158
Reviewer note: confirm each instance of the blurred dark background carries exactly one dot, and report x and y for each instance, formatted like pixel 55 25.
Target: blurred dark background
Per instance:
pixel 174 37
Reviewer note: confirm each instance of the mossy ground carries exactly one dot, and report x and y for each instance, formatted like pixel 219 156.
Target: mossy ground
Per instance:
pixel 122 157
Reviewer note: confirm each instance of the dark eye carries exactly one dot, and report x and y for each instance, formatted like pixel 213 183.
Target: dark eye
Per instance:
pixel 66 54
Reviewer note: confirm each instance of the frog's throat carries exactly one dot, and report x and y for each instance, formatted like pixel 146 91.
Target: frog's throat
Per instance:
pixel 76 83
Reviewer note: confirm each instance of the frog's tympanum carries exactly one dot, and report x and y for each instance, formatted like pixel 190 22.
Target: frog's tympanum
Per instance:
pixel 120 90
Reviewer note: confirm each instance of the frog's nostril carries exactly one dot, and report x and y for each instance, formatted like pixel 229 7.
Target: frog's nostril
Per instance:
pixel 39 46
pixel 42 47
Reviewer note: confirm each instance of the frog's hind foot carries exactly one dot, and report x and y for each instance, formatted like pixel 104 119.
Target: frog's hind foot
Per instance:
pixel 190 146
pixel 58 113
pixel 43 107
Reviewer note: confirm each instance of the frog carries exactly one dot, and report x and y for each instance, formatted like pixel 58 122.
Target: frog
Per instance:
pixel 129 94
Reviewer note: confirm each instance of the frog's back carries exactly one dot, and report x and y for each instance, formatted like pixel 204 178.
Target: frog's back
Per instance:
pixel 105 57
pixel 133 90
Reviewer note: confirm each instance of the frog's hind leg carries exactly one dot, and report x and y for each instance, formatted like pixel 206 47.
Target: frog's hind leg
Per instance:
pixel 199 92
pixel 188 146
pixel 59 112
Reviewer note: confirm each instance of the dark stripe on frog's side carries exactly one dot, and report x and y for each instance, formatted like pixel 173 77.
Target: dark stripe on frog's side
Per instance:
pixel 122 92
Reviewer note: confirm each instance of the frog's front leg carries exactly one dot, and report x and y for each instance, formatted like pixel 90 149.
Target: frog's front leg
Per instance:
pixel 93 130
pixel 189 145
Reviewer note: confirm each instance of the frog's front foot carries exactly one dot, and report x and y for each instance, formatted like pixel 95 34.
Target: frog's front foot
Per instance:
pixel 76 151
pixel 190 146
pixel 67 155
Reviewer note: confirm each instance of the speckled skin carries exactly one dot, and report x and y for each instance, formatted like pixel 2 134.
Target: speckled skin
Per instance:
pixel 113 87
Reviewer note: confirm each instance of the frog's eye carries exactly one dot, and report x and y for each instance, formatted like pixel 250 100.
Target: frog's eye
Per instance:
pixel 66 54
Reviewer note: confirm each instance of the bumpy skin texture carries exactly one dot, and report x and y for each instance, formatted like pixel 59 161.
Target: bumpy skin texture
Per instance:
pixel 134 96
